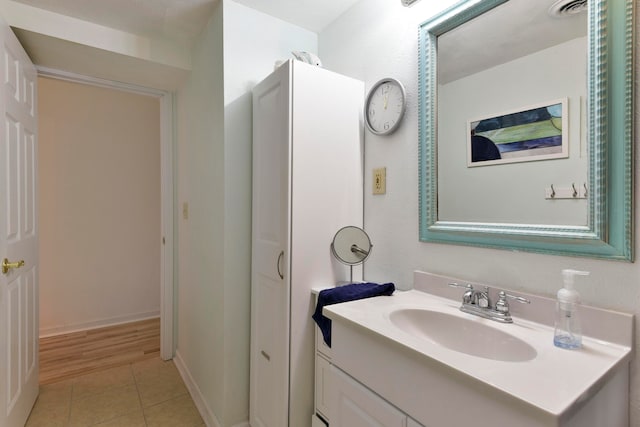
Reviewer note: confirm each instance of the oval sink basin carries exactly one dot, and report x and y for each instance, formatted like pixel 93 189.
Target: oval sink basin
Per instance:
pixel 463 335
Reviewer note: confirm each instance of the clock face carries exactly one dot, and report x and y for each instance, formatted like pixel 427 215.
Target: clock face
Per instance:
pixel 385 106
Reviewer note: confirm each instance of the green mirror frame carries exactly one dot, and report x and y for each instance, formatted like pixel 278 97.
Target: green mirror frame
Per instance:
pixel 609 232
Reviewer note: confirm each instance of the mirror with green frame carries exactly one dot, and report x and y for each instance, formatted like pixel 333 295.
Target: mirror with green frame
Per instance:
pixel 526 126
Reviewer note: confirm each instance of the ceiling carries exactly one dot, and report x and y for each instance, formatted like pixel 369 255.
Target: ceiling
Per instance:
pixel 184 19
pixel 314 15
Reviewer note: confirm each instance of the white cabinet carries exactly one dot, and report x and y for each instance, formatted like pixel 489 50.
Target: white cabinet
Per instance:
pixel 307 184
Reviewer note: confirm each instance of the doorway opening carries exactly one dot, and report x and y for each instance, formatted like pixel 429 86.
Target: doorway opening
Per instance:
pixel 106 205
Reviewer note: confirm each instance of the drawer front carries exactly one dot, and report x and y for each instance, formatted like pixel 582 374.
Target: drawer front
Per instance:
pixel 321 346
pixel 323 387
pixel 354 405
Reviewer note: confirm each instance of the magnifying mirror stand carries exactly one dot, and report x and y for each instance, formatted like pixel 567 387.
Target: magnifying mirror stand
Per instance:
pixel 356 250
pixel 351 246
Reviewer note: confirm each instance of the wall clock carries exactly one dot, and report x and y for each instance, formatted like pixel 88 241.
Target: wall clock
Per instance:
pixel 384 106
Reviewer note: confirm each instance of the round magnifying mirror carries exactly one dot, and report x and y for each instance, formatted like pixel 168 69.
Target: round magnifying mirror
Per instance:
pixel 351 245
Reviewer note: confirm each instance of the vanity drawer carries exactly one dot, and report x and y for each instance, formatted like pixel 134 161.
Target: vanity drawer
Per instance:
pixel 323 389
pixel 321 346
pixel 354 405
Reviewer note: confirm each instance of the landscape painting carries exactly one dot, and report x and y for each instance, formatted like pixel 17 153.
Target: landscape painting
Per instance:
pixel 538 132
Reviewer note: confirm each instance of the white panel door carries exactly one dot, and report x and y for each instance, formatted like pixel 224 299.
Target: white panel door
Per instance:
pixel 269 380
pixel 18 233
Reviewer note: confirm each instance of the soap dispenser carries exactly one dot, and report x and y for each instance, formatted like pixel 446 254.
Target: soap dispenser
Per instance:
pixel 567 332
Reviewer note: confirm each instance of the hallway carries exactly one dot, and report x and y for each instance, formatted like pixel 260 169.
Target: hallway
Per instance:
pixel 74 354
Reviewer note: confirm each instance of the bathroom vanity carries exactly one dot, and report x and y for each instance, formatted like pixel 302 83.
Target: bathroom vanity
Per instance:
pixel 415 359
pixel 334 388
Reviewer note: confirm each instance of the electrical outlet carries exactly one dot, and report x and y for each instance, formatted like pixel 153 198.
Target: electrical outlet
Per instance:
pixel 185 210
pixel 380 181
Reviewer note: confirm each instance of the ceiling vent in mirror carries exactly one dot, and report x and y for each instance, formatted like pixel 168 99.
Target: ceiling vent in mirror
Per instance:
pixel 408 3
pixel 566 8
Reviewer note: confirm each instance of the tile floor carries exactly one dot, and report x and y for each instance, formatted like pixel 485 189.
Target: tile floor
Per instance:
pixel 150 393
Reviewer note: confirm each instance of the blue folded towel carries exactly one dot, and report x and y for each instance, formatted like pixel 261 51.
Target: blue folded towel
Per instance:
pixel 346 293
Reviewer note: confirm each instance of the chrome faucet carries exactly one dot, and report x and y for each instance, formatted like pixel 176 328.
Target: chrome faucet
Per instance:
pixel 477 302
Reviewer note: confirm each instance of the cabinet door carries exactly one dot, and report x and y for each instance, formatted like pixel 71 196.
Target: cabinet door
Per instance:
pixel 269 378
pixel 323 387
pixel 354 405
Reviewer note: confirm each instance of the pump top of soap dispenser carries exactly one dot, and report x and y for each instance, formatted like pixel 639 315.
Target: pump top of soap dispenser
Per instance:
pixel 568 293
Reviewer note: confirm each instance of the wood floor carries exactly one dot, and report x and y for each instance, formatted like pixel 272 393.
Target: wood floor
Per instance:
pixel 71 355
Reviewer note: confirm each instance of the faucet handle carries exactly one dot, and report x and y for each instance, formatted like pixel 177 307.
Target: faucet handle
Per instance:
pixel 503 306
pixel 468 286
pixel 503 294
pixel 468 295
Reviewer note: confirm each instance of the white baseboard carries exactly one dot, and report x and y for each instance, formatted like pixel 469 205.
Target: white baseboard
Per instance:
pixel 95 324
pixel 205 412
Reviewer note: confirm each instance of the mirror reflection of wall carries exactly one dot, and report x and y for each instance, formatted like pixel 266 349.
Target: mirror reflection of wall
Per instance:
pixel 510 59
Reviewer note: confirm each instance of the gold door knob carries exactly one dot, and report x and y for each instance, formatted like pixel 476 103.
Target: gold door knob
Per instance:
pixel 6 265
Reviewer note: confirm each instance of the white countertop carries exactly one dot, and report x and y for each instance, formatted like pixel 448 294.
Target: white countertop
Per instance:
pixel 554 381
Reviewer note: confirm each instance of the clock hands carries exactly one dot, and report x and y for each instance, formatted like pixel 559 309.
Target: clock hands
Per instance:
pixel 385 95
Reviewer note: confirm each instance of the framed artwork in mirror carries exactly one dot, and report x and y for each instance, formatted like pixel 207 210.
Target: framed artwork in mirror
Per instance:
pixel 533 133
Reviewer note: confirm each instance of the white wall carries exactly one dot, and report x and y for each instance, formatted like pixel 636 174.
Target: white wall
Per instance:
pixel 378 38
pixel 200 176
pixel 214 177
pixel 99 177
